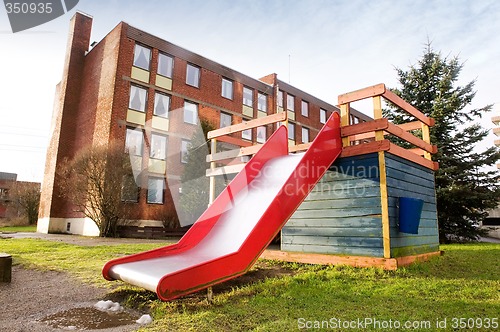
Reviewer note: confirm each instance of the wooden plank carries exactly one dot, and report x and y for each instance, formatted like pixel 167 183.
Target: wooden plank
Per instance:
pixel 414 250
pixel 345 121
pixel 234 141
pixel 408 260
pixel 338 213
pixel 408 166
pixel 299 147
pixel 247 125
pixel 409 126
pixel 364 127
pixel 332 241
pixel 405 154
pixel 398 101
pixel 385 206
pixel 230 154
pixel 231 169
pixel 365 148
pixel 325 259
pixel 358 251
pixel 341 203
pixel 347 222
pixel 410 138
pixel 338 232
pixel 371 91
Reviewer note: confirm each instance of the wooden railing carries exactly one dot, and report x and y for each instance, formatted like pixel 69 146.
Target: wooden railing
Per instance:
pixel 242 152
pixel 369 137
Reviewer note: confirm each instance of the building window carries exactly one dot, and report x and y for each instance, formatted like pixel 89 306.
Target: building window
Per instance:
pixel 190 112
pixel 158 147
pixel 247 97
pixel 305 109
pixel 185 145
pixel 165 65
pixel 133 142
pixel 291 131
pixel 138 96
pixel 227 89
pixel 162 105
pixel 322 115
pixel 305 135
pixel 142 57
pixel 130 189
pixel 262 102
pixel 246 134
pixel 290 103
pixel 193 75
pixel 261 134
pixel 155 190
pixel 225 120
pixel 280 98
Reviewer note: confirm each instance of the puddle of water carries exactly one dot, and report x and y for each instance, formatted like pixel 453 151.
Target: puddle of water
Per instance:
pixel 88 319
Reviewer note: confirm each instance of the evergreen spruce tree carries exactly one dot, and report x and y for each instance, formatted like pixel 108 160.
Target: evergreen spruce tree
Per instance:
pixel 465 187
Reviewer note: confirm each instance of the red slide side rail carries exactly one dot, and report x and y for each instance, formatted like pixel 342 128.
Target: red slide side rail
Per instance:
pixel 314 163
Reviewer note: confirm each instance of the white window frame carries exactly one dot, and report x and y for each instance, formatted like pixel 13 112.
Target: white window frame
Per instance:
pixel 139 47
pixel 227 88
pixel 190 108
pixel 132 136
pixel 143 97
pixel 304 110
pixel 169 66
pixel 247 101
pixel 262 130
pixel 195 72
pixel 163 141
pixel 280 98
pixel 162 190
pixel 159 95
pixel 322 115
pixel 262 102
pixel 290 102
pixel 291 131
pixel 305 132
pixel 224 122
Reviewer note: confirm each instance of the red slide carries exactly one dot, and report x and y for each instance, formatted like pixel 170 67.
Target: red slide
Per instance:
pixel 232 233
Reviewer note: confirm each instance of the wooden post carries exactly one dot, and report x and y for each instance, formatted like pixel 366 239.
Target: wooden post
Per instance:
pixel 344 122
pixel 211 198
pixel 384 196
pixel 5 267
pixel 213 148
pixel 426 136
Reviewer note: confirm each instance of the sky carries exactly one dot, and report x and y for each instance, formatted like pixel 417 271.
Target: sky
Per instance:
pixel 325 48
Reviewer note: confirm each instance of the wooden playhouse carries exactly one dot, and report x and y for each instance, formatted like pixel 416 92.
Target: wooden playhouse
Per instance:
pixel 375 206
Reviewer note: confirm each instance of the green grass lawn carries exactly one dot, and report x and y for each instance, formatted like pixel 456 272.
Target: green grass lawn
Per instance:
pixel 464 283
pixel 19 229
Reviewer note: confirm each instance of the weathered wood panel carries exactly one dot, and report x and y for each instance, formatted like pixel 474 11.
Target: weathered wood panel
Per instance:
pixel 342 215
pixel 407 179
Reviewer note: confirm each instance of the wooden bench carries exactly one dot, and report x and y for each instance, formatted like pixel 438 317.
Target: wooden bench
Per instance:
pixel 5 267
pixel 150 232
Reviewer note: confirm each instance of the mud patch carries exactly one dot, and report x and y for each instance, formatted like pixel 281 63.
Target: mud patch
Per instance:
pixel 88 319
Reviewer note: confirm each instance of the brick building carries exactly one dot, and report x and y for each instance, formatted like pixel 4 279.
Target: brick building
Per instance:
pixel 148 93
pixel 9 187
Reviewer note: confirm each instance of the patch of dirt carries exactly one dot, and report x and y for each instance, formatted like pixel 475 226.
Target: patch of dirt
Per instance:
pixel 33 295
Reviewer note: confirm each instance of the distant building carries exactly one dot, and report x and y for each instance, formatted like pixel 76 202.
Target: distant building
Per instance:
pixel 126 88
pixel 8 182
pixel 492 223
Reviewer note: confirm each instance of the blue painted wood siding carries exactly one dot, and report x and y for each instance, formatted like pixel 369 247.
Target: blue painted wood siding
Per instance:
pixel 407 179
pixel 342 215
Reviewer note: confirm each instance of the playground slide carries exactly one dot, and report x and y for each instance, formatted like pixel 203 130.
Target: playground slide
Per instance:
pixel 232 233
